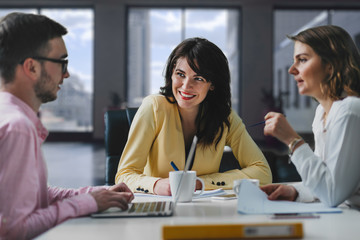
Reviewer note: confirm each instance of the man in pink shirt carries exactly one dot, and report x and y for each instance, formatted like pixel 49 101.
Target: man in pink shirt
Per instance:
pixel 33 66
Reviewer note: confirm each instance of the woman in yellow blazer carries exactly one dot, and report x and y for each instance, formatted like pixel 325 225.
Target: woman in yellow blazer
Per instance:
pixel 195 100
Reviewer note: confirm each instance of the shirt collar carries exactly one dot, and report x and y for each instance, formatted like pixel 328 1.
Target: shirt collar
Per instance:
pixel 8 98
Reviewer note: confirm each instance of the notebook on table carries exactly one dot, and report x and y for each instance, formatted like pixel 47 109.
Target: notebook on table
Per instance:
pixel 150 208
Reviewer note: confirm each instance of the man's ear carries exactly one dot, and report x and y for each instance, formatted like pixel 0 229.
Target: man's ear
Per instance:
pixel 31 68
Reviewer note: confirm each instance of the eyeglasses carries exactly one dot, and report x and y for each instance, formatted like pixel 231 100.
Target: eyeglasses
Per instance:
pixel 63 62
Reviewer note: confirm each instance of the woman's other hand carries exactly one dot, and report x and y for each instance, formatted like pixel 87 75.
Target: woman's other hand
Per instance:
pixel 162 187
pixel 280 192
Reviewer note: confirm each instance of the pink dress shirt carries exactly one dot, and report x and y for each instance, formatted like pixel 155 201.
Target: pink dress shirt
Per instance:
pixel 28 207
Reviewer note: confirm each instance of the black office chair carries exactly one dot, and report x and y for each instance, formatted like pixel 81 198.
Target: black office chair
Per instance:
pixel 117 125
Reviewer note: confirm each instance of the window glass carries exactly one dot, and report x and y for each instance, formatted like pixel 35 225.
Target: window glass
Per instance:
pixel 153 33
pixel 6 11
pixel 72 111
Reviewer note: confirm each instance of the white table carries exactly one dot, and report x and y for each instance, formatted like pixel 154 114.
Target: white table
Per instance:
pixel 344 225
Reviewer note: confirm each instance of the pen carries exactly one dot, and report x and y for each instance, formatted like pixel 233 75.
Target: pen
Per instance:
pixel 294 215
pixel 174 166
pixel 262 122
pixel 255 124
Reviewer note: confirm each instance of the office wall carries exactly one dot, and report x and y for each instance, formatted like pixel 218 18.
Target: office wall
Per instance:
pixel 256 45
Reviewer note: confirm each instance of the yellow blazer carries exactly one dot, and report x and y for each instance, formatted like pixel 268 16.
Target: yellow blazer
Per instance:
pixel 156 138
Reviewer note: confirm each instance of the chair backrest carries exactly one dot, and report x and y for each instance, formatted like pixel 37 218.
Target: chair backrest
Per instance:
pixel 117 125
pixel 130 113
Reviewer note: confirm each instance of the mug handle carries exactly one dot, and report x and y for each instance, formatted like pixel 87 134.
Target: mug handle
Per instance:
pixel 236 188
pixel 202 187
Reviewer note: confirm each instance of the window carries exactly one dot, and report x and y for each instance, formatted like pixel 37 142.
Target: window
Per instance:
pixel 153 33
pixel 72 111
pixel 300 112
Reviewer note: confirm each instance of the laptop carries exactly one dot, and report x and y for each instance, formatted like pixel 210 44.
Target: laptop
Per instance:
pixel 150 208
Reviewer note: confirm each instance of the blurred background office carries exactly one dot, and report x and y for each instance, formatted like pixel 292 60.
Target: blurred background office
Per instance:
pixel 117 53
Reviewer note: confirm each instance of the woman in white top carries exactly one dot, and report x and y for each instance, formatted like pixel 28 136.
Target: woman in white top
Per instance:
pixel 326 67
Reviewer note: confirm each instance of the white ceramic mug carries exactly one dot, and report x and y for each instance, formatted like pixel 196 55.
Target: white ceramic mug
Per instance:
pixel 188 185
pixel 237 184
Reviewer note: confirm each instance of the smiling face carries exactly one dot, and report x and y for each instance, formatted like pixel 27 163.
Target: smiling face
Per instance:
pixel 309 71
pixel 189 88
pixel 51 77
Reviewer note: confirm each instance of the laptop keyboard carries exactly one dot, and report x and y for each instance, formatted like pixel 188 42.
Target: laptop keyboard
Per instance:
pixel 147 207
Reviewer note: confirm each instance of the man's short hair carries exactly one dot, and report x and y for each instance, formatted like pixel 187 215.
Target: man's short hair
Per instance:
pixel 24 35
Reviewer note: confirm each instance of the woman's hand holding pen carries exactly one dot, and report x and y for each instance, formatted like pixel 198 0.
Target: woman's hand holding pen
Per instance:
pixel 277 126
